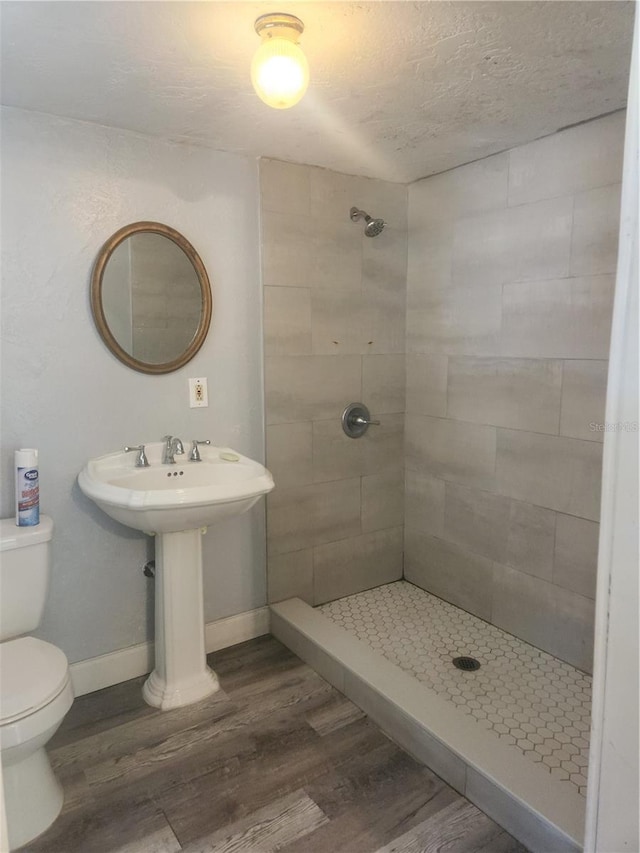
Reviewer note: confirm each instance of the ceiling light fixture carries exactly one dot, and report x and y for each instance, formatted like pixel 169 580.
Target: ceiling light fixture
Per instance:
pixel 279 70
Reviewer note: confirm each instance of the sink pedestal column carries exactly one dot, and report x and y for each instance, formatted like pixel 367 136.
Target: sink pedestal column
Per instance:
pixel 181 675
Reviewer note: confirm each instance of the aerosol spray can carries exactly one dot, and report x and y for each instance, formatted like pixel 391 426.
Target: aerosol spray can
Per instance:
pixel 27 487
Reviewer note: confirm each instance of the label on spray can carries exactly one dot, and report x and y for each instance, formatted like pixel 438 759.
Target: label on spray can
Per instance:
pixel 28 497
pixel 27 487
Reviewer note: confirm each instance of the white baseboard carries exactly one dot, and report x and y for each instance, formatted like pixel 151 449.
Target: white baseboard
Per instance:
pixel 105 670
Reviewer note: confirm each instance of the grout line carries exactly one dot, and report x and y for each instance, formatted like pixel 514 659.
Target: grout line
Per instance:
pixel 553 562
pixel 572 232
pixel 561 399
pixel 510 428
pixel 423 472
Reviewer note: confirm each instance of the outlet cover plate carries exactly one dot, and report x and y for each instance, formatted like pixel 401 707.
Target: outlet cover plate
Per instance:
pixel 198 396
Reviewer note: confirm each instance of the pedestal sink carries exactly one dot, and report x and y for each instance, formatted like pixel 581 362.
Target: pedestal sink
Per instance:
pixel 176 503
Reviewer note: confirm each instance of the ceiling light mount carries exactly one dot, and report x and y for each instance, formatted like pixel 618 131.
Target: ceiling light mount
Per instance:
pixel 269 25
pixel 279 70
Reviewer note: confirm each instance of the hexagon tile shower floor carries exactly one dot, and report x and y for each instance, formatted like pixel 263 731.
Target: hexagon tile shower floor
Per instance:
pixel 531 700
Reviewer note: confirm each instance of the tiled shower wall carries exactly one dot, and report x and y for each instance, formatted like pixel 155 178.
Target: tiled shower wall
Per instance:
pixel 510 290
pixel 334 327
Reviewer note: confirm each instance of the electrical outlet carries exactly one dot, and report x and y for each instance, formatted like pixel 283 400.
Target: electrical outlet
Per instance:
pixel 198 397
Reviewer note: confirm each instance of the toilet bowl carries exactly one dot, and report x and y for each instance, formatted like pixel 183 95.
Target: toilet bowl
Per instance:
pixel 35 687
pixel 36 693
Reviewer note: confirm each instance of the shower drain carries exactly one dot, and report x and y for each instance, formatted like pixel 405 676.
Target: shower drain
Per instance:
pixel 466 663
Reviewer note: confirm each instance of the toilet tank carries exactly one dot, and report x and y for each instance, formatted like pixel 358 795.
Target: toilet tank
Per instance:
pixel 25 561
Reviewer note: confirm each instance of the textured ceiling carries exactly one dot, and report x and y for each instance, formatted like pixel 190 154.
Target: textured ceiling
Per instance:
pixel 399 90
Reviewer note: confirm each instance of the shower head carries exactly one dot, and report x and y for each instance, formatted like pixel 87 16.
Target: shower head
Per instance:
pixel 372 227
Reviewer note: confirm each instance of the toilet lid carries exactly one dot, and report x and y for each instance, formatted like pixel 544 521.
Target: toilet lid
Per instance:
pixel 32 673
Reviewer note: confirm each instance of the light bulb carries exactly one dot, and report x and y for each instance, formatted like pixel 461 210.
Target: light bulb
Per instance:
pixel 279 70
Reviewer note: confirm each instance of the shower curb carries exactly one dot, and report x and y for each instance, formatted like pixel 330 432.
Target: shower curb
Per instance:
pixel 542 813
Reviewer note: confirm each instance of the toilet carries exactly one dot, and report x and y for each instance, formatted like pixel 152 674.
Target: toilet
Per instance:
pixel 35 685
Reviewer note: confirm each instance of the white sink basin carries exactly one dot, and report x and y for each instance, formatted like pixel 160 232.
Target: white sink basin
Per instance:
pixel 177 503
pixel 171 498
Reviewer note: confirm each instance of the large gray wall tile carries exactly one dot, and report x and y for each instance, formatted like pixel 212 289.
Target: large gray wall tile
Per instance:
pixel 289 453
pixel 451 450
pixel 576 555
pixel 529 242
pixel 384 321
pixel 303 516
pixel 545 615
pixel 284 187
pixel 424 503
pixel 576 159
pixel 584 391
pixel 573 637
pixel 332 193
pixel 287 245
pixel 383 445
pixel 346 321
pixel 524 605
pixel 477 520
pixel 507 392
pixel 291 576
pixel 563 318
pixel 550 471
pixel 301 388
pixel 385 199
pixel 335 259
pixel 383 383
pixel 290 519
pixel 430 257
pixel 455 320
pixel 427 384
pixel 469 189
pixel 449 571
pixel 384 260
pixel 531 538
pixel 594 243
pixel 361 562
pixel 338 321
pixel 287 321
pixel 382 500
pixel 335 455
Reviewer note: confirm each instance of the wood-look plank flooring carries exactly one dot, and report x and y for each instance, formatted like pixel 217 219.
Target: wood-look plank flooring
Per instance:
pixel 276 760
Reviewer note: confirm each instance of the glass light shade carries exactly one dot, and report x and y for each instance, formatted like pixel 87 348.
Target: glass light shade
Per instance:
pixel 280 73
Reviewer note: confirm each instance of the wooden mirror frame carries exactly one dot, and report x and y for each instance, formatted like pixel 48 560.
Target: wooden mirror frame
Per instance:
pixel 96 296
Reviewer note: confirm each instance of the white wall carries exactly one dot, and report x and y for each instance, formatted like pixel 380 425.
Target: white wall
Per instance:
pixel 66 187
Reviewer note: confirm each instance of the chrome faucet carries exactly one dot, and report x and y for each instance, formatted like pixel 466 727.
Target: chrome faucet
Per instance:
pixel 172 446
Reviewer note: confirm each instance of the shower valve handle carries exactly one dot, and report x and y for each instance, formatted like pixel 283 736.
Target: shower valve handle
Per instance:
pixel 356 420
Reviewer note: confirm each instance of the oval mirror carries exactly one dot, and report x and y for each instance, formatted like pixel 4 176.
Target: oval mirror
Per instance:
pixel 151 297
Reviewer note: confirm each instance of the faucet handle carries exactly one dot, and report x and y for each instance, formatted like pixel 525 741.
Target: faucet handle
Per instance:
pixel 141 458
pixel 194 456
